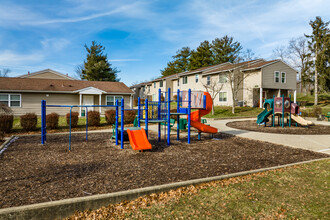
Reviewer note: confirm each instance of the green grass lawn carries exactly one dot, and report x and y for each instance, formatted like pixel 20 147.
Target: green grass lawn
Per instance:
pixel 225 112
pixel 324 102
pixel 290 193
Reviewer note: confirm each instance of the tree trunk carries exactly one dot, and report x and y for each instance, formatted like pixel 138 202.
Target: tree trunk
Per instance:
pixel 212 108
pixel 233 107
pixel 316 81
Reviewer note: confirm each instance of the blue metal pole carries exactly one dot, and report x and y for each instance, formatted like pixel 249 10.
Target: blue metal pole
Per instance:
pixel 199 135
pixel 139 112
pixel 273 110
pixel 168 116
pixel 70 130
pixel 86 123
pixel 43 121
pixel 122 125
pixel 178 116
pixel 282 111
pixel 189 111
pixel 204 101
pixel 146 116
pixel 159 115
pixel 117 117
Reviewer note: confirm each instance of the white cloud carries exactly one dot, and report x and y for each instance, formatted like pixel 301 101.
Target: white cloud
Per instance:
pixel 10 58
pixel 55 44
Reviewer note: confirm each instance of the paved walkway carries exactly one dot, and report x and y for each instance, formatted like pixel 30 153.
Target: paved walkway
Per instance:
pixel 318 143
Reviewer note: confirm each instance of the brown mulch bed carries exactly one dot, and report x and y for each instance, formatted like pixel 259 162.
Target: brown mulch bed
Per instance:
pixel 33 173
pixel 251 125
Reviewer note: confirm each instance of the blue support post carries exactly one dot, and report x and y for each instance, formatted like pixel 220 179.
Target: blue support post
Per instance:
pixel 122 125
pixel 159 115
pixel 139 112
pixel 70 130
pixel 189 111
pixel 282 111
pixel 204 101
pixel 273 110
pixel 86 123
pixel 199 135
pixel 178 117
pixel 146 116
pixel 117 119
pixel 168 116
pixel 43 121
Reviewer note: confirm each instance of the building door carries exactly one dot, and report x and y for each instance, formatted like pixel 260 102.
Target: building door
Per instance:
pixel 88 100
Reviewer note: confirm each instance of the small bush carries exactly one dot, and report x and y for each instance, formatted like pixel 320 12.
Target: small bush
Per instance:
pixel 74 119
pixel 93 118
pixel 52 120
pixel 175 97
pixel 6 122
pixel 29 121
pixel 174 116
pixel 141 101
pixel 110 116
pixel 129 116
pixel 317 111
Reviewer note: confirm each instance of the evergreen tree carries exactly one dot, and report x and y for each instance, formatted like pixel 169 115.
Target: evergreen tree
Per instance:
pixel 319 46
pixel 96 66
pixel 202 57
pixel 179 64
pixel 225 50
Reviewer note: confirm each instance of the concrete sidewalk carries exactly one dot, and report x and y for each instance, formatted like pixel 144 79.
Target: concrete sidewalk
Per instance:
pixel 318 143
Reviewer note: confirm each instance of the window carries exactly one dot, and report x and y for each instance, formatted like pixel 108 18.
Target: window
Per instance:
pixel 196 78
pixel 185 80
pixel 178 82
pixel 283 77
pixel 223 96
pixel 111 99
pixel 11 100
pixel 223 79
pixel 208 80
pixel 148 88
pixel 154 85
pixel 161 83
pixel 276 77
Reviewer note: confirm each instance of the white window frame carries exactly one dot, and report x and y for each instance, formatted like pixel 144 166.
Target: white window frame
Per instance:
pixel 9 99
pixel 154 84
pixel 178 83
pixel 161 84
pixel 279 76
pixel 223 78
pixel 196 78
pixel 282 77
pixel 208 80
pixel 114 100
pixel 223 97
pixel 185 80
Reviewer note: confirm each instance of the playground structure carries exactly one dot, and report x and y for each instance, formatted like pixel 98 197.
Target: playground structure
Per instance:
pixel 282 107
pixel 150 112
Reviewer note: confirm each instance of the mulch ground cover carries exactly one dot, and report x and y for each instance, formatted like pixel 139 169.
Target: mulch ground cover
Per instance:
pixel 33 173
pixel 251 125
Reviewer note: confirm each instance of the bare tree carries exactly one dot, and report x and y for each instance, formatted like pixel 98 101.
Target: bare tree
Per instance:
pixel 4 72
pixel 236 77
pixel 78 71
pixel 300 55
pixel 213 87
pixel 281 52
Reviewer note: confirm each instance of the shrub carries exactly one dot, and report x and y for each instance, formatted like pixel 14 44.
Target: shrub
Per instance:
pixel 129 116
pixel 29 121
pixel 141 101
pixel 74 119
pixel 6 119
pixel 52 120
pixel 93 118
pixel 110 116
pixel 317 111
pixel 174 116
pixel 175 97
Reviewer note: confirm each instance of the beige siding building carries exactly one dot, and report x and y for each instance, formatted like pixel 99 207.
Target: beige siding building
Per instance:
pixel 260 80
pixel 24 94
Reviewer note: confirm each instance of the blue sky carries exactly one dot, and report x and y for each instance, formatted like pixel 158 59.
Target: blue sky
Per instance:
pixel 140 36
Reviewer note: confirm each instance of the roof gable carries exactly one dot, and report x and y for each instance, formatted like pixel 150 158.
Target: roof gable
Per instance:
pixel 47 75
pixel 90 90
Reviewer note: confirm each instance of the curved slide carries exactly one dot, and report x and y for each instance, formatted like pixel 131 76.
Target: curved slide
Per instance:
pixel 195 117
pixel 138 139
pixel 300 120
pixel 263 115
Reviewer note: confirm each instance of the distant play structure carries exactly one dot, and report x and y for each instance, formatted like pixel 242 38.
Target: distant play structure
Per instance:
pixel 158 112
pixel 283 108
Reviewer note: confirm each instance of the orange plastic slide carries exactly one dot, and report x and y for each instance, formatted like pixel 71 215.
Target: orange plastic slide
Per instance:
pixel 138 139
pixel 195 117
